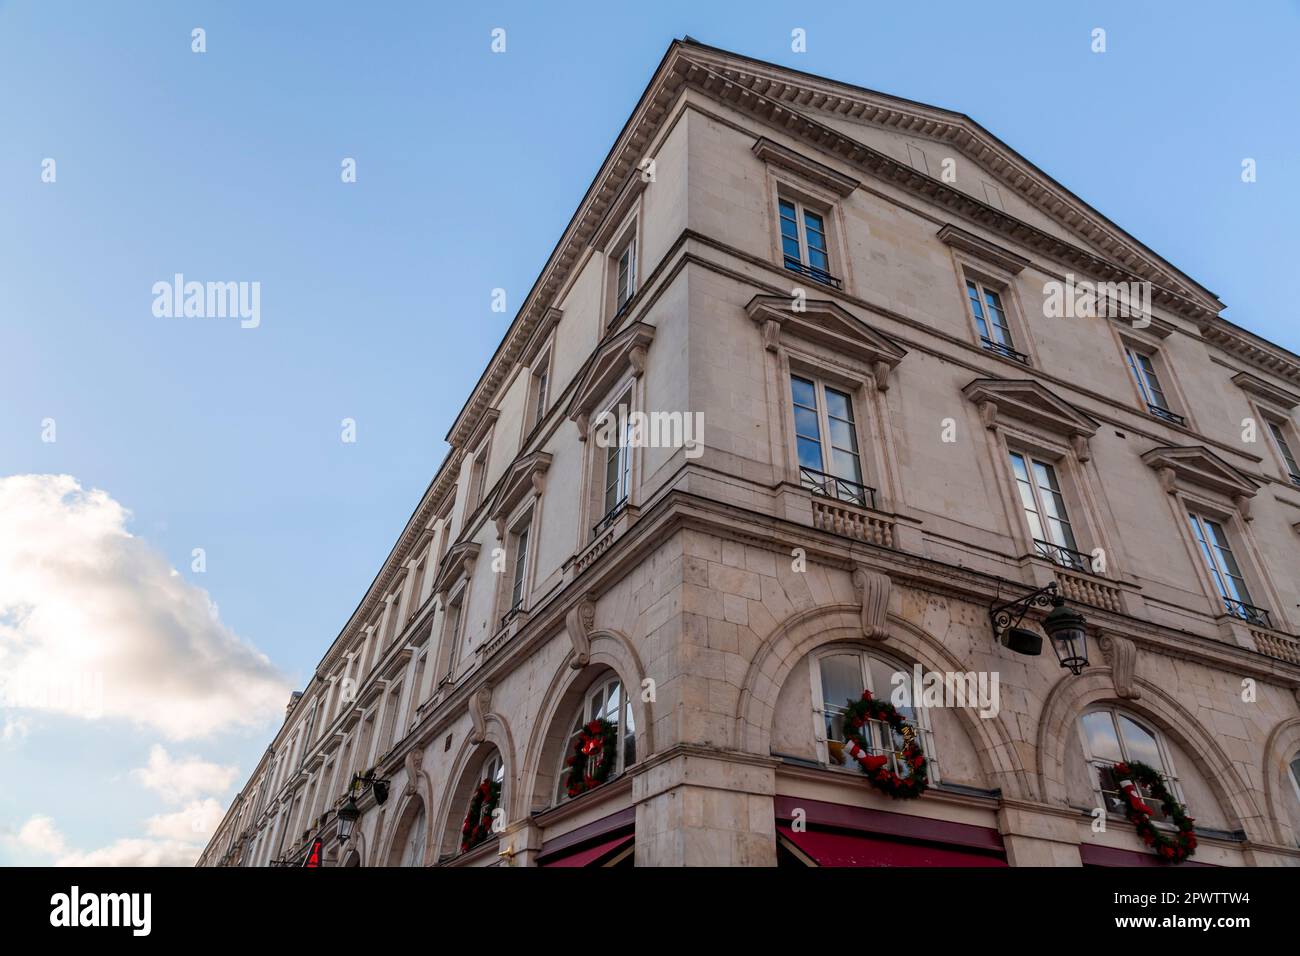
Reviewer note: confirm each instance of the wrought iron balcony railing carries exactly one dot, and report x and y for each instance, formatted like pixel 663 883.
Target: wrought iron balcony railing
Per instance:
pixel 1165 414
pixel 840 489
pixel 511 614
pixel 817 275
pixel 1248 613
pixel 610 517
pixel 1065 557
pixel 1006 351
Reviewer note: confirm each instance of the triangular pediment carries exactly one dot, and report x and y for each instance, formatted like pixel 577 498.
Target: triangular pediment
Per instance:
pixel 1028 401
pixel 872 130
pixel 1196 465
pixel 522 478
pixel 826 323
pixel 619 352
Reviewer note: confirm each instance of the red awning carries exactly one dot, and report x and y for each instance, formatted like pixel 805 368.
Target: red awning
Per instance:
pixel 829 848
pixel 589 855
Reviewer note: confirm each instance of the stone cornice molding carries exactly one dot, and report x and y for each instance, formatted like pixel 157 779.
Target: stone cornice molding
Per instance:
pixel 1029 401
pixel 1199 467
pixel 484 425
pixel 1271 393
pixel 526 476
pixel 550 319
pixel 1248 348
pixel 802 166
pixel 826 323
pixel 619 352
pixel 979 248
pixel 617 212
pixel 456 564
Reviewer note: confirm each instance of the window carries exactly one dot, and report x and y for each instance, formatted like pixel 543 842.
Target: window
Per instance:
pixel 1295 774
pixel 1212 542
pixel 541 387
pixel 1278 432
pixel 519 572
pixel 605 700
pixel 618 465
pixel 625 283
pixel 480 829
pixel 1044 505
pixel 477 476
pixel 1143 368
pixel 1110 737
pixel 830 466
pixel 839 678
pixel 803 242
pixel 452 628
pixel 416 837
pixel 991 321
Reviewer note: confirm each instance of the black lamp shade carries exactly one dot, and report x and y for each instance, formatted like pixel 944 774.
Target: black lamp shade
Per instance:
pixel 1067 630
pixel 348 814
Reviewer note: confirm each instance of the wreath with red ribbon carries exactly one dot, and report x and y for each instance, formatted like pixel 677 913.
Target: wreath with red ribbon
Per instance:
pixel 876 767
pixel 594 754
pixel 478 821
pixel 1171 849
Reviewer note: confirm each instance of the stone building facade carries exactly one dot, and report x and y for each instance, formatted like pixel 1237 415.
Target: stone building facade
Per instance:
pixel 860 419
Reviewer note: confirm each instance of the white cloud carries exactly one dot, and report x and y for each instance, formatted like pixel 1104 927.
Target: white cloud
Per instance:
pixel 95 622
pixel 40 835
pixel 136 853
pixel 194 824
pixel 184 778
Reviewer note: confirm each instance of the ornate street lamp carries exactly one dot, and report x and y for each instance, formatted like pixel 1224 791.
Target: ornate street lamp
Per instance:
pixel 1064 626
pixel 348 814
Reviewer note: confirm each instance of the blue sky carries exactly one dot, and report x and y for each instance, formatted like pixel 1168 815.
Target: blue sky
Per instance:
pixel 375 296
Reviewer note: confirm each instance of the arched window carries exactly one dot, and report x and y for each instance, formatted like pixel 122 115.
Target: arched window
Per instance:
pixel 1295 775
pixel 414 839
pixel 604 700
pixel 483 803
pixel 1111 736
pixel 839 676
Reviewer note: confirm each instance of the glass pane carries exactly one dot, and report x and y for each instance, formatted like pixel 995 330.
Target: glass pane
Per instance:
pixel 1099 729
pixel 629 736
pixel 841 684
pixel 842 435
pixel 805 422
pixel 1139 744
pixel 839 405
pixel 805 393
pixel 846 465
pixel 810 454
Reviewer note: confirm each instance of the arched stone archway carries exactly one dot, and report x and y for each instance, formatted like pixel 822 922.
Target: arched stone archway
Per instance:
pixel 805 631
pixel 1282 746
pixel 610 651
pixel 464 778
pixel 411 830
pixel 1072 696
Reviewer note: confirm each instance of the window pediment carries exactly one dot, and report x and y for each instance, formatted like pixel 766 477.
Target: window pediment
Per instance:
pixel 457 563
pixel 825 323
pixel 804 167
pixel 982 249
pixel 620 352
pixel 526 476
pixel 1261 389
pixel 481 429
pixel 1198 466
pixel 1028 401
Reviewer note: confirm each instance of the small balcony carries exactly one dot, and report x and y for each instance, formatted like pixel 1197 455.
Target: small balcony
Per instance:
pixel 840 489
pixel 1063 556
pixel 1165 415
pixel 817 275
pixel 1006 351
pixel 1256 616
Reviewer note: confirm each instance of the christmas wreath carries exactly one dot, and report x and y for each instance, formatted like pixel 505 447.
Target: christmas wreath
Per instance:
pixel 594 754
pixel 478 822
pixel 1171 849
pixel 877 767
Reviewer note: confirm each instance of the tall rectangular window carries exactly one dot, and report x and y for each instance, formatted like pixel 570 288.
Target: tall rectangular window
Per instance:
pixel 1212 541
pixel 618 464
pixel 803 241
pixel 521 566
pixel 1044 507
pixel 827 442
pixel 991 320
pixel 1142 366
pixel 1284 449
pixel 626 281
pixel 541 386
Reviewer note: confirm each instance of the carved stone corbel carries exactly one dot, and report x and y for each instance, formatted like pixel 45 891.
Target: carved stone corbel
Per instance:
pixel 538 480
pixel 772 335
pixel 1243 506
pixel 413 762
pixel 501 528
pixel 880 372
pixel 874 588
pixel 479 703
pixel 988 414
pixel 636 358
pixel 1121 655
pixel 1082 451
pixel 1168 479
pixel 583 421
pixel 578 623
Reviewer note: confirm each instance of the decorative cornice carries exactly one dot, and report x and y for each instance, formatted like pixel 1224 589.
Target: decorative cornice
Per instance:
pixel 973 245
pixel 1198 466
pixel 1261 389
pixel 456 564
pixel 827 323
pixel 1029 401
pixel 802 166
pixel 1246 347
pixel 526 476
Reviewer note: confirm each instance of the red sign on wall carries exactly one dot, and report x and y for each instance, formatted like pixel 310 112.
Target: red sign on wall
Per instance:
pixel 313 855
